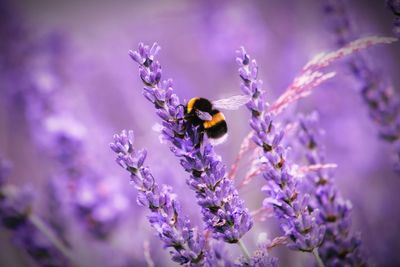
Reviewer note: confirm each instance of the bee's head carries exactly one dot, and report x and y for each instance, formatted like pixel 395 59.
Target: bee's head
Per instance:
pixel 198 103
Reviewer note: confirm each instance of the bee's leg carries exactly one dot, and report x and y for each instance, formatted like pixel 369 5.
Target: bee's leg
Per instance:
pixel 200 136
pixel 200 140
pixel 184 108
pixel 190 117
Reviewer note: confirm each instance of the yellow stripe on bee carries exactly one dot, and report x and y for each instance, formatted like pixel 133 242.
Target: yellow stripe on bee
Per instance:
pixel 190 104
pixel 215 119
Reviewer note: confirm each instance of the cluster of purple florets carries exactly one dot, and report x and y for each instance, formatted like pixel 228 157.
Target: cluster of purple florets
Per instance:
pixel 223 211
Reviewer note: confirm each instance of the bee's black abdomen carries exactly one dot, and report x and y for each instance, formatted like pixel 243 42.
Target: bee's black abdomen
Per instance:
pixel 216 127
pixel 218 130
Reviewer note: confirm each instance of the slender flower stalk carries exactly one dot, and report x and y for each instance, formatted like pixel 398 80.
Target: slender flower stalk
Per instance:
pixel 340 247
pixel 394 6
pixel 57 218
pixel 317 257
pixel 44 230
pixel 245 146
pixel 176 232
pixel 222 209
pixel 244 250
pixel 15 214
pixel 297 222
pixel 376 90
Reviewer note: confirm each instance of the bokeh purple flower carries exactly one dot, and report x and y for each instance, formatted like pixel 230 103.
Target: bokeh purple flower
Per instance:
pixel 60 135
pixel 340 246
pixel 377 91
pixel 394 6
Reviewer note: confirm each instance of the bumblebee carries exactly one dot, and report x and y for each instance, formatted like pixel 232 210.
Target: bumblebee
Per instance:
pixel 210 120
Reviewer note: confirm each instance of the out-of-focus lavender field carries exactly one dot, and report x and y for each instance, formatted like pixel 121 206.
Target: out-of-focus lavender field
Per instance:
pixel 67 85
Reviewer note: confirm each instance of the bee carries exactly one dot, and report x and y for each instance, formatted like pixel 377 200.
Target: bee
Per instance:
pixel 207 116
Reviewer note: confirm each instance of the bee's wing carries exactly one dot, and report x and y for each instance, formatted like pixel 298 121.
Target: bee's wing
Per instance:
pixel 231 103
pixel 205 116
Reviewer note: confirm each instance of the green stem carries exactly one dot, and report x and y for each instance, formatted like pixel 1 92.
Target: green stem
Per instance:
pixel 244 249
pixel 317 258
pixel 45 230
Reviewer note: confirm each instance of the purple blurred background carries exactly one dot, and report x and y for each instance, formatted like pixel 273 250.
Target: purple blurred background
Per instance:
pixel 76 53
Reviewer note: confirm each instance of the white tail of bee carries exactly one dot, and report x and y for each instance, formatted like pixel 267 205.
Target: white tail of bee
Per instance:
pixel 216 142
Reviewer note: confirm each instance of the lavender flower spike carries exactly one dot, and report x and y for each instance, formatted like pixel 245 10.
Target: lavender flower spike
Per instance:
pixel 340 247
pixel 174 230
pixel 297 222
pixel 222 209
